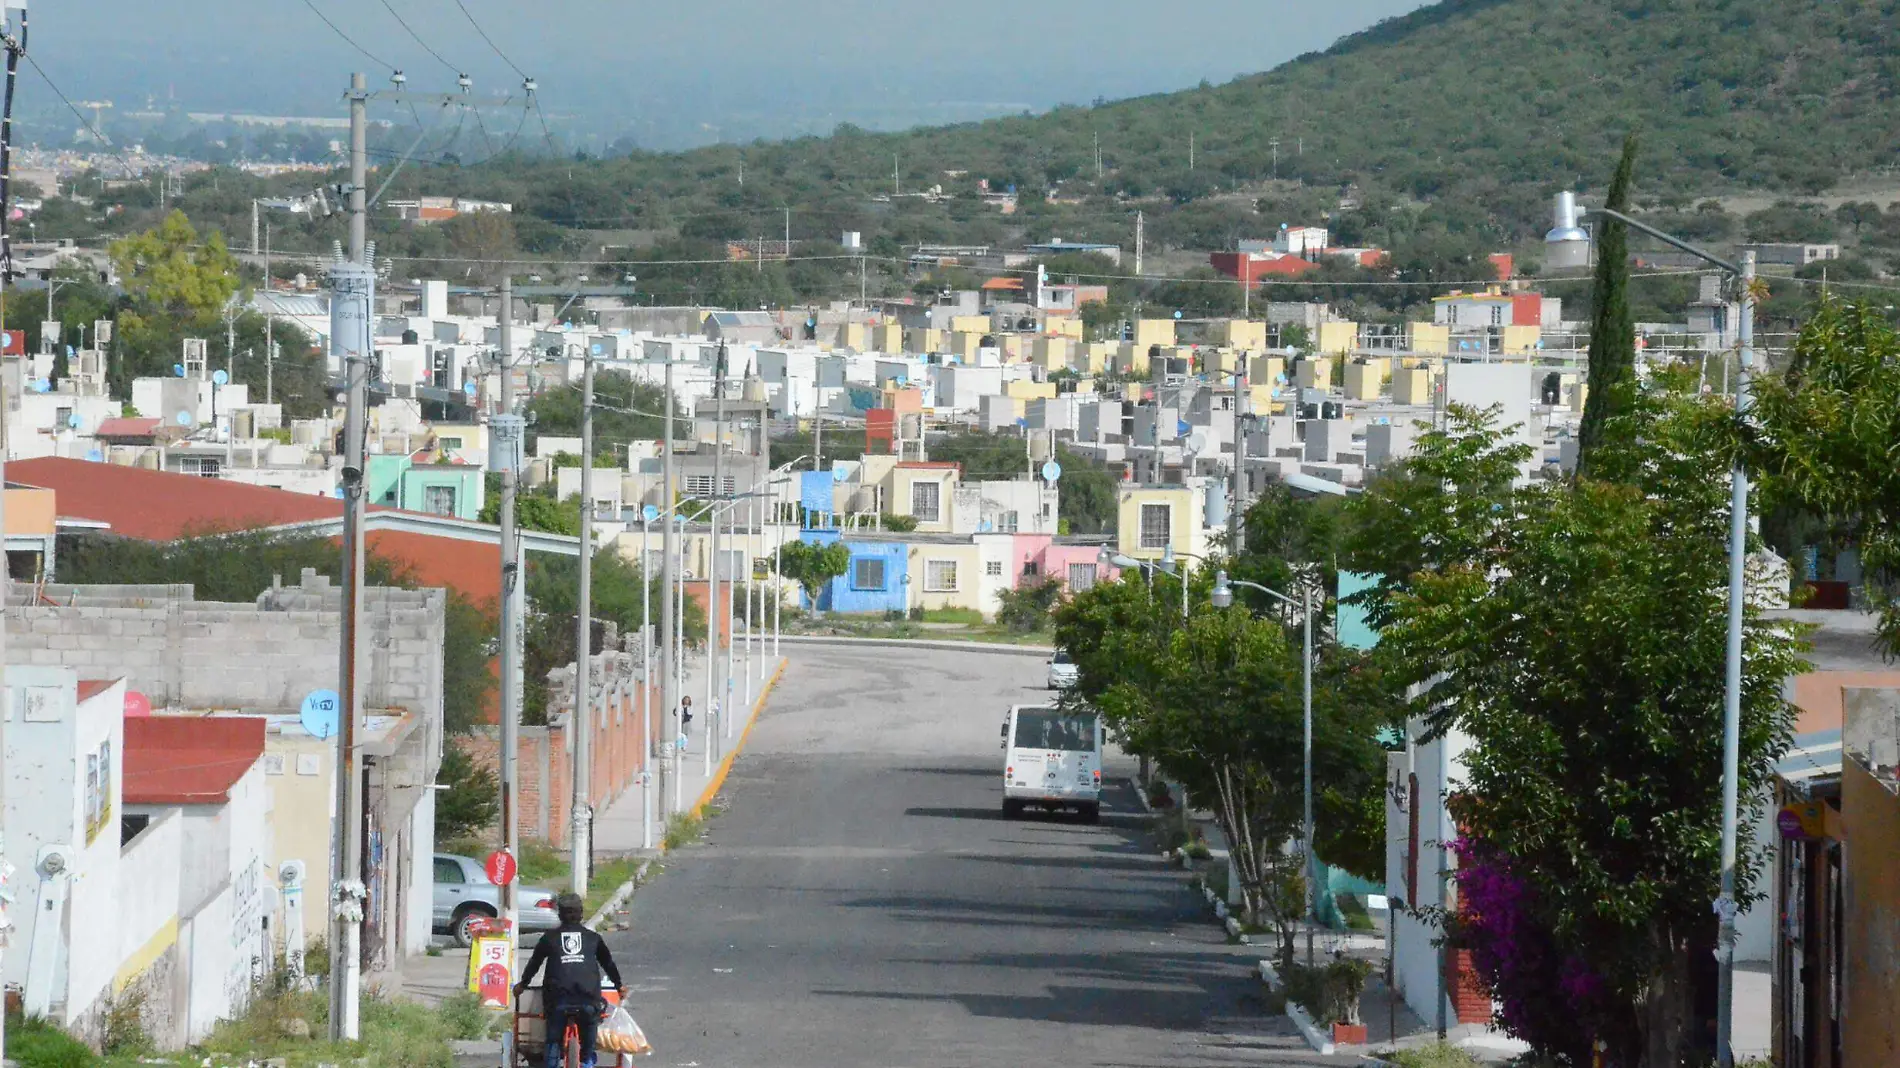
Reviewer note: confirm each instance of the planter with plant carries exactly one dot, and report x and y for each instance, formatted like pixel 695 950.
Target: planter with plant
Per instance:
pixel 1330 994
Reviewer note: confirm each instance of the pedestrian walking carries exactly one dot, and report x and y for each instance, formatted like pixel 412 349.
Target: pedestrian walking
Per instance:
pixel 686 719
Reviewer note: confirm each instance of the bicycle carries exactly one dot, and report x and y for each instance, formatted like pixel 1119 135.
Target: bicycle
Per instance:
pixel 530 1030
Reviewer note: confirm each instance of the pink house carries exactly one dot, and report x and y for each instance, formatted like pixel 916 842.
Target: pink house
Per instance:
pixel 1076 565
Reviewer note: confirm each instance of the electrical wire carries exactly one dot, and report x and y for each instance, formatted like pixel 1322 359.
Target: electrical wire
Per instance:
pixel 491 41
pixel 351 41
pixel 425 45
pixel 543 117
pixel 131 169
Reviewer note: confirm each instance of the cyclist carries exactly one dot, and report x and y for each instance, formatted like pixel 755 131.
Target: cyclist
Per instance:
pixel 575 957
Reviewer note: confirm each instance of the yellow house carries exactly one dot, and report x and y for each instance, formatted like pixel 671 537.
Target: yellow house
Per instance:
pixel 1052 353
pixel 1337 337
pixel 887 337
pixel 1316 373
pixel 1266 370
pixel 928 339
pixel 970 324
pixel 948 575
pixel 1098 356
pixel 1428 337
pixel 1131 358
pixel 1153 332
pixel 1069 326
pixel 853 336
pixel 1219 361
pixel 1151 518
pixel 924 490
pixel 1521 340
pixel 1025 389
pixel 1412 385
pixel 964 345
pixel 1015 347
pixel 1238 333
pixel 1363 381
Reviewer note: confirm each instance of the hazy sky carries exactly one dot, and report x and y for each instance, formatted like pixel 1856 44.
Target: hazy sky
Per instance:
pixel 707 70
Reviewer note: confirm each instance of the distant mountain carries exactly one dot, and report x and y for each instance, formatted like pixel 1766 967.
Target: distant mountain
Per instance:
pixel 1492 104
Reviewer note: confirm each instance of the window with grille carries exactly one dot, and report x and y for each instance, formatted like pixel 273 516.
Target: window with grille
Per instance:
pixel 1007 522
pixel 926 501
pixel 449 443
pixel 1156 523
pixel 438 500
pixel 993 569
pixel 867 574
pixel 199 465
pixel 1081 577
pixel 940 576
pixel 698 485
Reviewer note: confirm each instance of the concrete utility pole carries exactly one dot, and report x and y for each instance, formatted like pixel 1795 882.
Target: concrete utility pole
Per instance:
pixel 669 552
pixel 1239 473
pixel 505 427
pixel 712 561
pixel 1140 223
pixel 353 287
pixel 583 719
pixel 359 164
pixel 270 322
pixel 646 685
pixel 14 40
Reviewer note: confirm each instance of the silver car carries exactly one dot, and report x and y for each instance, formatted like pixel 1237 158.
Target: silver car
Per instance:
pixel 464 895
pixel 1062 670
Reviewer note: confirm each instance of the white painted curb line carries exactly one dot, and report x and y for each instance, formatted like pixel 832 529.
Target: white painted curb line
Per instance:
pixel 1321 1044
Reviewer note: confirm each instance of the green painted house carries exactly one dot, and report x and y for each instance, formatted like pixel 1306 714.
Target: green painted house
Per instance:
pixel 436 489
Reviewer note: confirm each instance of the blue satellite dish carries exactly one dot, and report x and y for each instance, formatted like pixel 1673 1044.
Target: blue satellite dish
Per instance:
pixel 1182 427
pixel 73 420
pixel 1177 313
pixel 95 455
pixel 469 387
pixel 1022 423
pixel 178 369
pixel 69 351
pixel 183 417
pixel 839 474
pixel 219 377
pixel 595 348
pixel 1051 471
pixel 650 512
pixel 983 527
pixel 41 385
pixel 321 713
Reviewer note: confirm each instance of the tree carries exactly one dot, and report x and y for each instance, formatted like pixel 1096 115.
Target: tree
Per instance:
pixel 176 283
pixel 1026 608
pixel 538 511
pixel 614 595
pixel 812 565
pixel 472 798
pixel 1583 652
pixel 1829 429
pixel 1612 374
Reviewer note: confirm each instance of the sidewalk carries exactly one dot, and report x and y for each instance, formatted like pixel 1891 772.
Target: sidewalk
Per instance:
pixel 618 825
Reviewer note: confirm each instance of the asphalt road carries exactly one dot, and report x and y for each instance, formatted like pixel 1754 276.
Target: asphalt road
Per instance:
pixel 861 901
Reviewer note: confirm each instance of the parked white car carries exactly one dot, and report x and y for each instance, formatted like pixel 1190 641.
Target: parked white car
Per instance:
pixel 1062 671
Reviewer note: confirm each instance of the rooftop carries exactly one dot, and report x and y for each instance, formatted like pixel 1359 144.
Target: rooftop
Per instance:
pixel 178 761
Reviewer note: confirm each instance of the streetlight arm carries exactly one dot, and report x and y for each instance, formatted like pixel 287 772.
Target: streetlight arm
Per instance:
pixel 1645 228
pixel 1275 594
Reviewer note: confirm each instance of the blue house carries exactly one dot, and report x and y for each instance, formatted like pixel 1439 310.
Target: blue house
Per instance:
pixel 877 581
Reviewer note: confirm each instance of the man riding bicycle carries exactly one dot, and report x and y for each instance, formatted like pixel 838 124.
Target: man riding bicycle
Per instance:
pixel 575 958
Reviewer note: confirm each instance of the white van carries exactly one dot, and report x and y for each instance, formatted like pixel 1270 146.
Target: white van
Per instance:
pixel 1053 760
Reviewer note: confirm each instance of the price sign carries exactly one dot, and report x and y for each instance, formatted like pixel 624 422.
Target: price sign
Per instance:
pixel 491 965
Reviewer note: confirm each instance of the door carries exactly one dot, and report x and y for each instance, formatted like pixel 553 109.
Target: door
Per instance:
pixel 450 888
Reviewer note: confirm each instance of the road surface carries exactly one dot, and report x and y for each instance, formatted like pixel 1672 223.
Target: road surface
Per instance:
pixel 861 901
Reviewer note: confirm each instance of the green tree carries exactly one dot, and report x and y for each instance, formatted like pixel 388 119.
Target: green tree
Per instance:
pixel 554 597
pixel 1583 651
pixel 472 800
pixel 1612 374
pixel 1027 608
pixel 538 511
pixel 177 283
pixel 1829 430
pixel 812 565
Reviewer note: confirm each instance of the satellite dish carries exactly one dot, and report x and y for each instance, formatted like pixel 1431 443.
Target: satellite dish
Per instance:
pixel 1051 471
pixel 650 512
pixel 73 420
pixel 1177 313
pixel 1197 442
pixel 595 348
pixel 41 385
pixel 219 377
pixel 839 474
pixel 183 417
pixel 469 387
pixel 321 713
pixel 178 369
pixel 984 527
pixel 95 455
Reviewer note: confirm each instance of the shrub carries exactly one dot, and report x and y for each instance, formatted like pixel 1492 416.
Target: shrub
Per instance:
pixel 1027 608
pixel 36 1042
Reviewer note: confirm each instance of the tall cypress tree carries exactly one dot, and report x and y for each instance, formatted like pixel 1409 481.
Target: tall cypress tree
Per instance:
pixel 1612 377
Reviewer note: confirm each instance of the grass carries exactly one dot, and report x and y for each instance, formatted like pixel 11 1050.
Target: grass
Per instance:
pixel 35 1042
pixel 608 875
pixel 684 829
pixel 969 617
pixel 1357 918
pixel 973 630
pixel 1438 1055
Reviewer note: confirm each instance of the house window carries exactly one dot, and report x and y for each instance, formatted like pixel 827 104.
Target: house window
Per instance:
pixel 698 485
pixel 1081 577
pixel 449 443
pixel 61 418
pixel 438 500
pixel 940 576
pixel 1008 522
pixel 206 466
pixel 867 573
pixel 1157 521
pixel 1497 315
pixel 926 499
pixel 993 568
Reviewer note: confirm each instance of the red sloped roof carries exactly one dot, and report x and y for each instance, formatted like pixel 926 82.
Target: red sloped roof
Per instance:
pixel 128 428
pixel 188 760
pixel 162 506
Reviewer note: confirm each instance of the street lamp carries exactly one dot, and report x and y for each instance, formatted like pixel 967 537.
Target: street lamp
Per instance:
pixel 1223 598
pixel 1109 558
pixel 1725 905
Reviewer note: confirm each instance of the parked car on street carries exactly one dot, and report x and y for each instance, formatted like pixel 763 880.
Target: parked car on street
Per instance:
pixel 1062 670
pixel 464 895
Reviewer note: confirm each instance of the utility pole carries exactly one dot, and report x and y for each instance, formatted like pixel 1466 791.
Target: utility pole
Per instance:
pixel 1240 463
pixel 1276 158
pixel 712 560
pixel 1098 157
pixel 270 321
pixel 669 552
pixel 14 39
pixel 582 722
pixel 506 427
pixel 1140 225
pixel 788 233
pixel 1190 150
pixel 353 283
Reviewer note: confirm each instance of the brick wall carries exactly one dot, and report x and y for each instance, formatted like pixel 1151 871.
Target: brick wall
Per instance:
pixel 1468 994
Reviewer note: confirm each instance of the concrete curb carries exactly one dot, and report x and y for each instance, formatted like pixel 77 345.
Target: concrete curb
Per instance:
pixel 1321 1043
pixel 1044 651
pixel 621 893
pixel 725 765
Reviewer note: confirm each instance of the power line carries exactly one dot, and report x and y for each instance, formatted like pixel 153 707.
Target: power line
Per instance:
pixel 491 41
pixel 87 123
pixel 346 37
pixel 543 117
pixel 425 45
